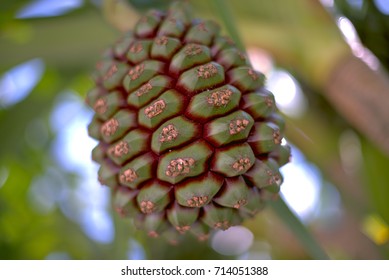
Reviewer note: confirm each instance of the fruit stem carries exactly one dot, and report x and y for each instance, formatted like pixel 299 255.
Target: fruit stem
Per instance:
pixel 297 227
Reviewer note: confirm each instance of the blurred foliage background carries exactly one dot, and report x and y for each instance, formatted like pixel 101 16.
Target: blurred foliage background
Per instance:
pixel 51 205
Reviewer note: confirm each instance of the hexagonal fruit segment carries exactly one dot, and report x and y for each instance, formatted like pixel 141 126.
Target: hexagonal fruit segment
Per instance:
pixel 255 203
pixel 246 78
pixel 173 133
pixel 265 175
pixel 190 55
pixel 259 104
pixel 266 137
pixel 122 45
pixel 233 160
pixel 148 24
pixel 172 27
pixel 154 224
pixel 199 191
pixel 106 105
pixel 233 127
pixel 186 162
pixel 118 125
pixel 107 175
pixel 124 203
pixel 234 193
pixel 149 90
pixel 153 197
pixel 142 73
pixel 139 51
pixel 132 144
pixel 137 171
pixel 282 154
pixel 114 75
pixel 169 104
pixel 231 58
pixel 202 33
pixel 220 217
pixel 164 47
pixel 213 103
pixel 206 76
pixel 182 217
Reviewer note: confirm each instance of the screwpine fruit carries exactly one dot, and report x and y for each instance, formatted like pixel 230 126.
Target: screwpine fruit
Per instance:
pixel 189 139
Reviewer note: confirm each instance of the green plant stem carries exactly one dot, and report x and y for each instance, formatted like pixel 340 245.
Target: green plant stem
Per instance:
pixel 296 226
pixel 279 206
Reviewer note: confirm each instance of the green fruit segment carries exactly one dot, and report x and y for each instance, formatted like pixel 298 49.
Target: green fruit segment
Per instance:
pixel 124 202
pixel 134 143
pixel 139 51
pixel 202 33
pixel 265 137
pixel 265 174
pixel 182 217
pixel 206 76
pixel 99 153
pixel 190 55
pixel 118 125
pixel 214 103
pixel 281 154
pixel 169 104
pixel 259 104
pixel 233 160
pixel 149 90
pixel 245 78
pixel 200 230
pixel 181 11
pixel 142 73
pixel 221 43
pixel 171 27
pixel 255 203
pixel 186 162
pixel 153 197
pixel 224 130
pixel 107 105
pixel 137 171
pixel 107 175
pixel 173 133
pixel 121 47
pixel 114 75
pixel 220 217
pixel 94 128
pixel 198 191
pixel 147 25
pixel 234 194
pixel 231 58
pixel 164 47
pixel 93 95
pixel 154 224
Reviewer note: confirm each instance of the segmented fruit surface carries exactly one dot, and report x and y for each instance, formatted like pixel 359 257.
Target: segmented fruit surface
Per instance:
pixel 189 138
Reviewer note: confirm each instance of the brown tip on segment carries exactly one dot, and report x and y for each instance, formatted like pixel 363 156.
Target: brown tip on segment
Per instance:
pixel 162 41
pixel 219 98
pixel 179 166
pixel 128 176
pixel 144 89
pixel 274 178
pixel 268 101
pixel 242 164
pixel 197 201
pixel 136 48
pixel 206 71
pixel 238 125
pixel 153 234
pixel 155 109
pixel 193 49
pixel 100 106
pixel 182 229
pixel 112 70
pixel 241 55
pixel 222 225
pixel 169 133
pixel 120 149
pixel 277 137
pixel 147 206
pixel 240 203
pixel 253 74
pixel 135 72
pixel 109 127
pixel 203 237
pixel 202 27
